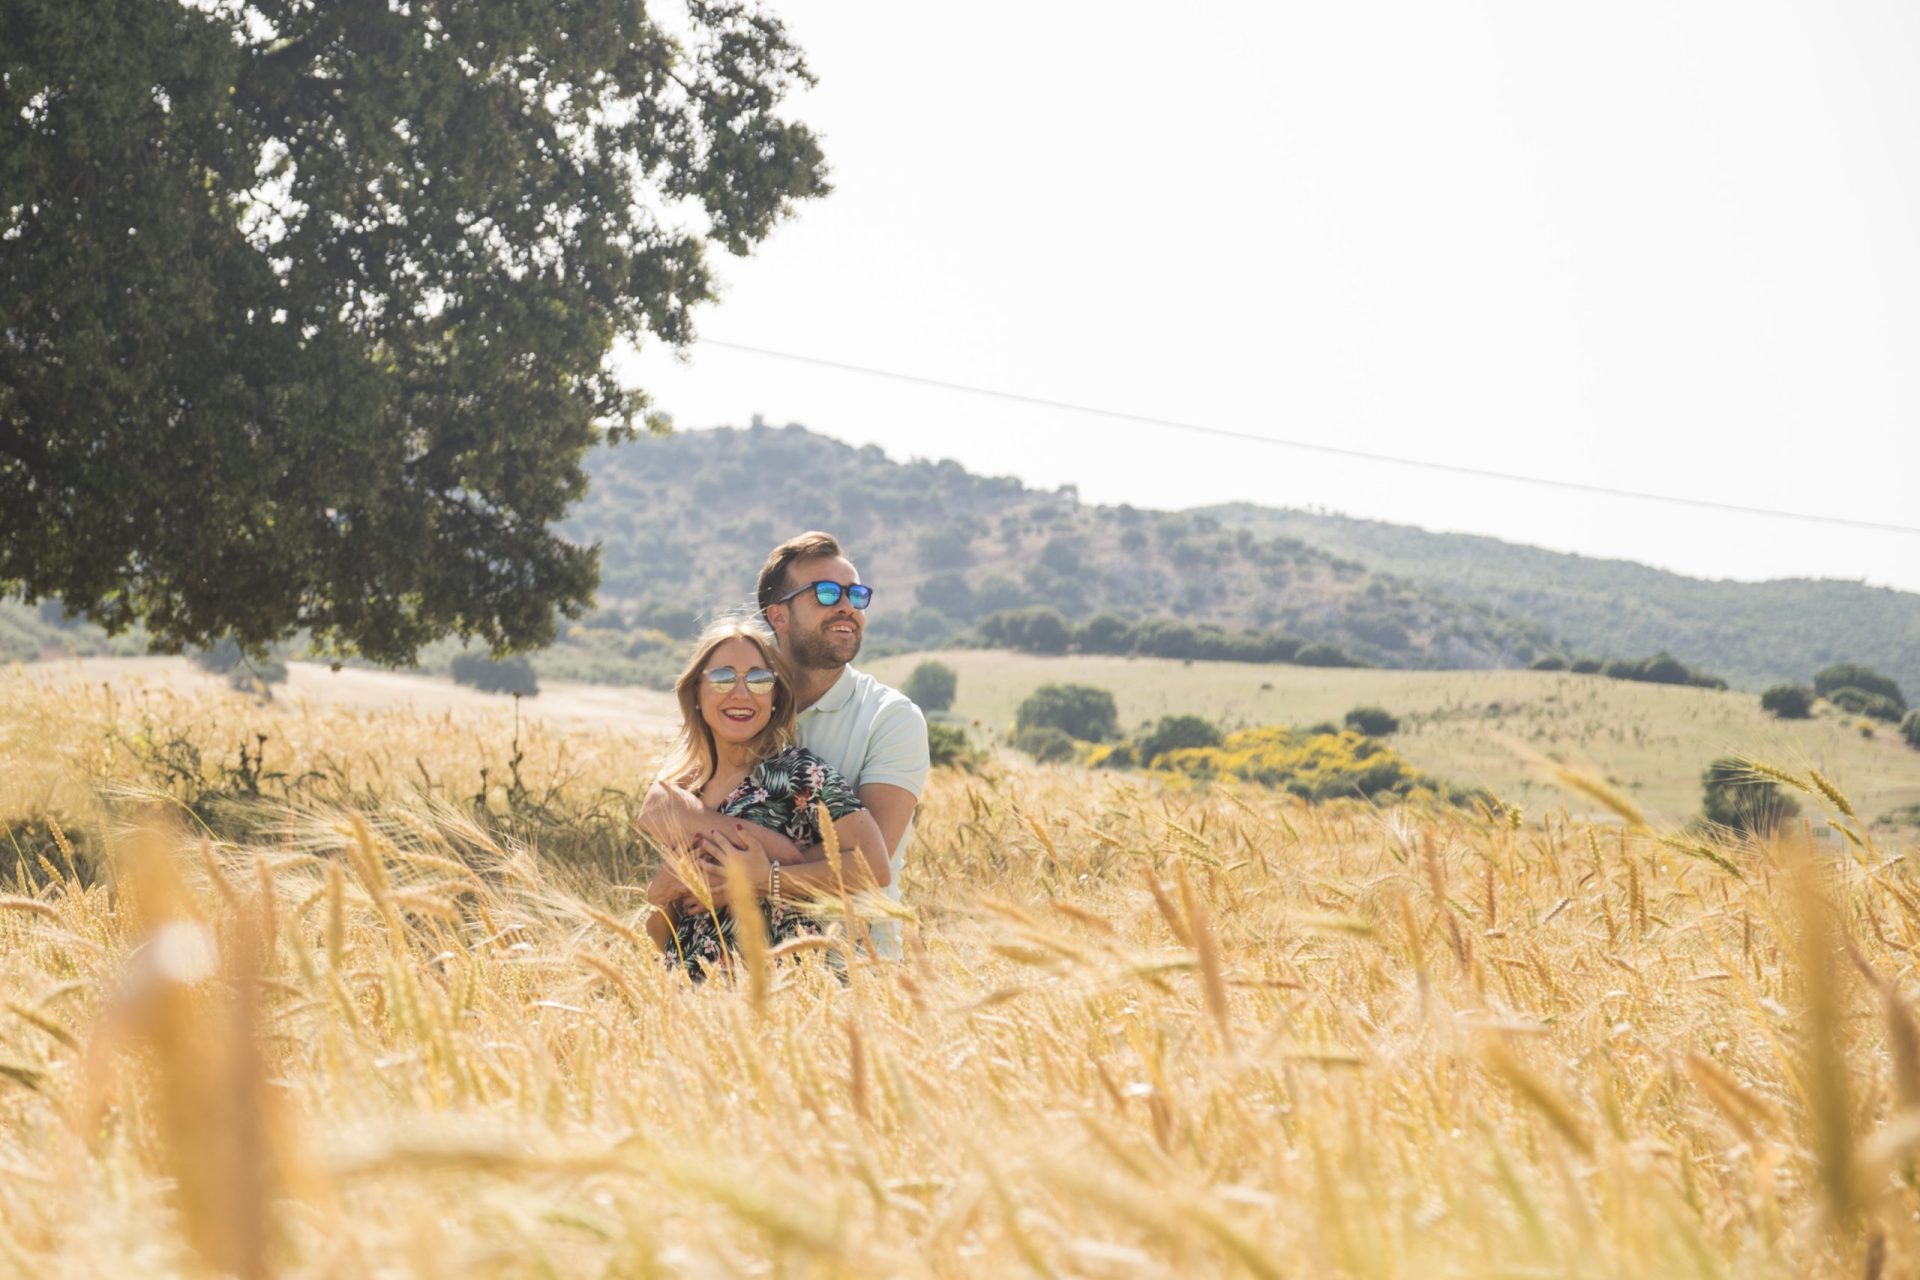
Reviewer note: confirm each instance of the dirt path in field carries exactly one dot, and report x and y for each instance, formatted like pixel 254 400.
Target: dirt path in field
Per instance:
pixel 629 710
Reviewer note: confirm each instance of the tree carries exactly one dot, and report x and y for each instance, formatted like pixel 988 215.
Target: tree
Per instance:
pixel 1035 629
pixel 1734 796
pixel 1105 633
pixel 1910 729
pixel 932 686
pixel 1851 675
pixel 1788 701
pixel 1079 710
pixel 309 309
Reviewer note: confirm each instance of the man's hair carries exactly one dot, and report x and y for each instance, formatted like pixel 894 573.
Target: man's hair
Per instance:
pixel 807 546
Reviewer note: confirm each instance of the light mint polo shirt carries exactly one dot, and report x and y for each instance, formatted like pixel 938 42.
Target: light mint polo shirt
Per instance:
pixel 871 733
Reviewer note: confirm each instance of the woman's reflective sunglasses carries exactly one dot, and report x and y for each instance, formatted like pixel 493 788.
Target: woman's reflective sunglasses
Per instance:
pixel 859 595
pixel 760 681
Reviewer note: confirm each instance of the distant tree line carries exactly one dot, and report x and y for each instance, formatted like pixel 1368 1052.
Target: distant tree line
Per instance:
pixel 1040 629
pixel 1661 668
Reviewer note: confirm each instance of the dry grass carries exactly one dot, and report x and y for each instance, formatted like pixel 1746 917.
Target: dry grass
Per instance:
pixel 360 1024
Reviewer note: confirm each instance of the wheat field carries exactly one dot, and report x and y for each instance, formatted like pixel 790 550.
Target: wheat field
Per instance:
pixel 306 993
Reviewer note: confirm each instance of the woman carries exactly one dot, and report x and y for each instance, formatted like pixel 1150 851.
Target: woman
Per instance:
pixel 735 788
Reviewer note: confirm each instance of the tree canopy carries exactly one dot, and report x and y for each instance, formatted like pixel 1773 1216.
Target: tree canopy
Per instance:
pixel 306 310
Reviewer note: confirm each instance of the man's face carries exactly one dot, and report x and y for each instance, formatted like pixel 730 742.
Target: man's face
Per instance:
pixel 816 635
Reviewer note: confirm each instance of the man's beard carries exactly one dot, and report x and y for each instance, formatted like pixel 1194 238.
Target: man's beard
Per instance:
pixel 818 651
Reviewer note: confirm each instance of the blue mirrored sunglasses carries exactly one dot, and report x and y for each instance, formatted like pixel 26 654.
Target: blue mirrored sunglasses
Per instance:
pixel 760 681
pixel 859 595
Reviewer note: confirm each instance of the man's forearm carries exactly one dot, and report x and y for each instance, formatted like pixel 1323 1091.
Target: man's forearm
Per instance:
pixel 677 816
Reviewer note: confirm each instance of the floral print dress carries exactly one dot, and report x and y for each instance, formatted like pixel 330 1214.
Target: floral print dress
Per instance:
pixel 781 794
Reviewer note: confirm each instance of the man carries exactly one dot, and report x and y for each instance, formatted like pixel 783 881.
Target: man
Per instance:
pixel 812 597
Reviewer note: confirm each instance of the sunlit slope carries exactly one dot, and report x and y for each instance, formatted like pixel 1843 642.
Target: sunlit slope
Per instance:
pixel 1498 729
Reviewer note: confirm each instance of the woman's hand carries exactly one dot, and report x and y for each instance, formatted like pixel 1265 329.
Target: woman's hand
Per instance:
pixel 720 848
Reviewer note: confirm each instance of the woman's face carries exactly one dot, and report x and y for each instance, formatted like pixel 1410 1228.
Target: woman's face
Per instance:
pixel 735 713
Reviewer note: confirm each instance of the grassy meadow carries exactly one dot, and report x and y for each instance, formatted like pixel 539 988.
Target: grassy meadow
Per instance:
pixel 1505 730
pixel 335 992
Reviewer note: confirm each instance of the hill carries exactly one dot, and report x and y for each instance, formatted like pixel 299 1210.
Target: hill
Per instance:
pixel 1505 730
pixel 687 519
pixel 1751 633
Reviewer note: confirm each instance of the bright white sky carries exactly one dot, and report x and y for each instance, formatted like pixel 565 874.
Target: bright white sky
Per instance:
pixel 1654 246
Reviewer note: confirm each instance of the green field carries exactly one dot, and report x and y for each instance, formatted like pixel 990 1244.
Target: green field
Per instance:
pixel 1497 729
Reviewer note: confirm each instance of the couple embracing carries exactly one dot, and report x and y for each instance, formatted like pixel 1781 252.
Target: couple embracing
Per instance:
pixel 775 724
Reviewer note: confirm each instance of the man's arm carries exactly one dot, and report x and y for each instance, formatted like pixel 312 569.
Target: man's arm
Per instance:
pixel 674 815
pixel 892 809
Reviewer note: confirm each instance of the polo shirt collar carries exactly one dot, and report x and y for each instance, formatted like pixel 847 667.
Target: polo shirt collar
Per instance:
pixel 837 695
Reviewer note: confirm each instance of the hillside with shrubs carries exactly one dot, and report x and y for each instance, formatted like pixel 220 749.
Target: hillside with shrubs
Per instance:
pixel 956 557
pixel 1753 634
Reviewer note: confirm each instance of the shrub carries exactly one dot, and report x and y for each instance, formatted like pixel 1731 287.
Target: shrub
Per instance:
pixel 1551 662
pixel 1788 701
pixel 1851 675
pixel 1044 743
pixel 1910 729
pixel 1175 733
pixel 1736 797
pixel 1375 722
pixel 1862 702
pixel 1324 655
pixel 1078 710
pixel 1584 666
pixel 947 744
pixel 1661 668
pixel 932 685
pixel 508 675
pixel 1322 766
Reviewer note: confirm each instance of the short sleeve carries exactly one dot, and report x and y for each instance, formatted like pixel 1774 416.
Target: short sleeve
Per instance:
pixel 897 748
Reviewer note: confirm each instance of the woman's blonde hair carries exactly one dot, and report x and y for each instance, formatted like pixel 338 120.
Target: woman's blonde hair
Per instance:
pixel 692 759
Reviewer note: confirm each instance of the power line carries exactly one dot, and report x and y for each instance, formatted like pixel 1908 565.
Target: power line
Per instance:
pixel 1339 451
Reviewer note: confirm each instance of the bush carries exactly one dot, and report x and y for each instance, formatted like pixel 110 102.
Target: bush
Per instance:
pixel 1661 668
pixel 1910 729
pixel 1788 701
pixel 1078 710
pixel 1736 797
pixel 932 686
pixel 508 675
pixel 1044 743
pixel 1851 675
pixel 947 744
pixel 1323 655
pixel 1315 767
pixel 1551 662
pixel 1375 722
pixel 1175 733
pixel 1861 702
pixel 1584 666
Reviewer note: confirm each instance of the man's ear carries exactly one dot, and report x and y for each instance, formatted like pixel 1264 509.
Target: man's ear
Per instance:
pixel 776 615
